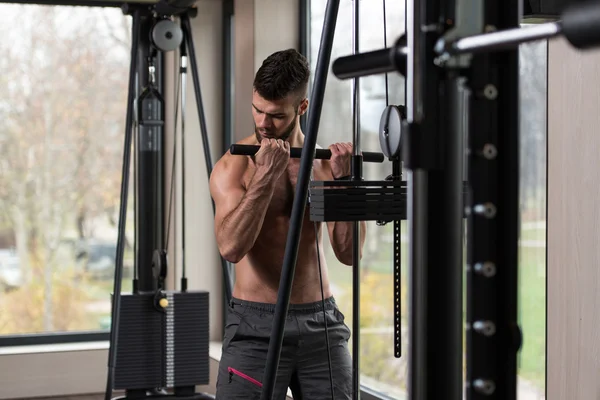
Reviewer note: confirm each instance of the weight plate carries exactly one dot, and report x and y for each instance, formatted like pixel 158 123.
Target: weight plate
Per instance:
pixel 167 35
pixel 390 130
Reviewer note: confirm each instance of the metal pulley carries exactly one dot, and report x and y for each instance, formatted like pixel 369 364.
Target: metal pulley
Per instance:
pixel 166 35
pixel 390 130
pixel 159 264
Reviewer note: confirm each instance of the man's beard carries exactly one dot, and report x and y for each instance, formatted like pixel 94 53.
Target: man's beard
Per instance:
pixel 284 136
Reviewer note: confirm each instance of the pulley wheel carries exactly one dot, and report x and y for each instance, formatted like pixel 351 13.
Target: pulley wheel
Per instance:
pixel 166 35
pixel 159 264
pixel 390 130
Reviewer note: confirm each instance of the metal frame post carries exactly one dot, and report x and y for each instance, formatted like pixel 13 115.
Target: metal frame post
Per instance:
pixel 356 176
pixel 124 196
pixel 299 205
pixel 149 164
pixel 434 211
pixel 493 336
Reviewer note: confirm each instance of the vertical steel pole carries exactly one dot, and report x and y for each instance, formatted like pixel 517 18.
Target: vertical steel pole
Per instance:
pixel 356 175
pixel 434 158
pixel 128 140
pixel 493 336
pixel 416 211
pixel 299 205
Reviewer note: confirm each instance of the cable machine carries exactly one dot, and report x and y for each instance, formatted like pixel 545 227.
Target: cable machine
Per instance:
pixel 451 50
pixel 159 338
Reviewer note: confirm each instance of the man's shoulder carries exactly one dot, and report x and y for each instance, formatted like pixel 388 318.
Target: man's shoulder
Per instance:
pixel 232 165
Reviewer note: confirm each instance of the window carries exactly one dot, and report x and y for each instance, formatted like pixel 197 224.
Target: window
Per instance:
pixel 533 62
pixel 64 82
pixel 380 370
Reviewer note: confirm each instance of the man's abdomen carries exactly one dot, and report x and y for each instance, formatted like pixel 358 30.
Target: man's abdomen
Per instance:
pixel 258 278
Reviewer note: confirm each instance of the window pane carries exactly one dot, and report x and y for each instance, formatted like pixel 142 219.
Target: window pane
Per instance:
pixel 533 59
pixel 64 75
pixel 380 370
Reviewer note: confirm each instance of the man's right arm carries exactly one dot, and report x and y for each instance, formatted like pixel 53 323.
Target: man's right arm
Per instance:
pixel 239 212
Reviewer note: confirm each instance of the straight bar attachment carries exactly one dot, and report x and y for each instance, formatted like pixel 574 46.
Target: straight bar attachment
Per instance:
pixel 504 39
pixel 299 205
pixel 296 152
pixel 580 25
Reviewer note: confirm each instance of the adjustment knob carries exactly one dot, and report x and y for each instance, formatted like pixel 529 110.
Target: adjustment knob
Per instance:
pixel 164 303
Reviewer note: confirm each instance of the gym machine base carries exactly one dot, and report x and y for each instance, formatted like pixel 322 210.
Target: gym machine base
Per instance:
pixel 159 338
pixel 453 53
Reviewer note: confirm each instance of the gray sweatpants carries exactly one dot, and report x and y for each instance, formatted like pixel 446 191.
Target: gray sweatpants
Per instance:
pixel 303 364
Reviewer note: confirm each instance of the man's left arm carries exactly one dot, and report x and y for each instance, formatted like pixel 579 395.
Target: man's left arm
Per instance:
pixel 341 233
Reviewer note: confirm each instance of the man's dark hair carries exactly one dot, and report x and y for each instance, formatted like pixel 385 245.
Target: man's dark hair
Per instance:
pixel 283 73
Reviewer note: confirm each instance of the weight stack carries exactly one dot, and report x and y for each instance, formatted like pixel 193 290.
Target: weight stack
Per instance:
pixel 163 348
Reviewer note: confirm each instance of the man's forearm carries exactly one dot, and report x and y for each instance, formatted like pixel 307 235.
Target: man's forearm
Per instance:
pixel 241 227
pixel 343 238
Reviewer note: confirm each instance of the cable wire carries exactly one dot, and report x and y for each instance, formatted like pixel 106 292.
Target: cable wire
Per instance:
pixel 324 313
pixel 173 165
pixel 387 100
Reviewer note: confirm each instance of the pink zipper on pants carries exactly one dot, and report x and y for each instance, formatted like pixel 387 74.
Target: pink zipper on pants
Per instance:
pixel 244 376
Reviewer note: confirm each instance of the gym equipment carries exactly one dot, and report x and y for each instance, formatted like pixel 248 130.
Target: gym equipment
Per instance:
pixel 390 130
pixel 466 47
pixel 296 152
pixel 159 338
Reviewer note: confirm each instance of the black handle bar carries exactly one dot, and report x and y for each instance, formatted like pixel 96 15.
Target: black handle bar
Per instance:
pixel 296 152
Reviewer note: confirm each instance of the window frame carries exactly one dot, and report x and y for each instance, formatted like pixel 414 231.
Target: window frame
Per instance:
pixel 83 3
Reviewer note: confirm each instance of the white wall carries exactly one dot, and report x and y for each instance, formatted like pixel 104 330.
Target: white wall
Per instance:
pixel 573 223
pixel 261 28
pixel 276 27
pixel 203 265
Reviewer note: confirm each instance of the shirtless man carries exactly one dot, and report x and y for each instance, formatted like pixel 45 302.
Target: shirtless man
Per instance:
pixel 253 198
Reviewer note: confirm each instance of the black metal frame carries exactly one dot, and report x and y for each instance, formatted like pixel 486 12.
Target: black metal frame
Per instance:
pixel 546 217
pixel 149 167
pixel 228 107
pixel 228 73
pixel 440 67
pixel 304 40
pixel 493 336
